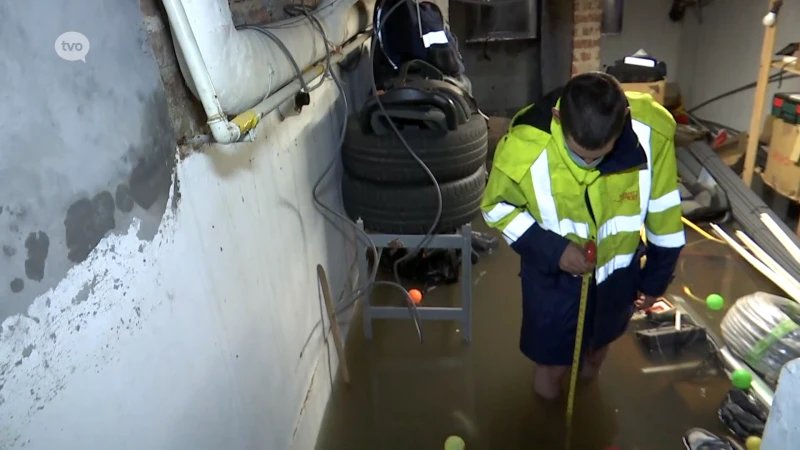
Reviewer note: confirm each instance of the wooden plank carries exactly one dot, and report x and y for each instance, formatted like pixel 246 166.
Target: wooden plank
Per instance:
pixel 338 341
pixel 759 97
pixel 794 156
pixel 795 69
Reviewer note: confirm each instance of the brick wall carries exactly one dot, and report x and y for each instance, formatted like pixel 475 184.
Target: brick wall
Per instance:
pixel 185 111
pixel 586 36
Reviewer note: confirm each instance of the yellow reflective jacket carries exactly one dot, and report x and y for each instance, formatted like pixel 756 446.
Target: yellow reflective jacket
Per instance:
pixel 540 199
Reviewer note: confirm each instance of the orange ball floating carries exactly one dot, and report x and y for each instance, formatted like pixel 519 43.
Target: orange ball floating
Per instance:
pixel 416 296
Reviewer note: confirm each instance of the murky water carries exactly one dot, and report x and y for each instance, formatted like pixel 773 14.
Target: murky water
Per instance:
pixel 410 396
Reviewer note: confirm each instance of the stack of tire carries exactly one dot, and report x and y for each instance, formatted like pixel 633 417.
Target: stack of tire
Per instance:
pixel 384 185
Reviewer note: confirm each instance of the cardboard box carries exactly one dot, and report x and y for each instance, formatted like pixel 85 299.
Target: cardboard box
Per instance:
pixel 658 89
pixel 672 96
pixel 766 130
pixel 782 173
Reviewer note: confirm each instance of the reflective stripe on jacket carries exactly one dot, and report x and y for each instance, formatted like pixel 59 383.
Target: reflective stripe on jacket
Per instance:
pixel 540 199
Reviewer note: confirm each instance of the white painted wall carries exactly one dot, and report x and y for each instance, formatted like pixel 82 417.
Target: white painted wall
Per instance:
pixel 723 52
pixel 645 24
pixel 206 337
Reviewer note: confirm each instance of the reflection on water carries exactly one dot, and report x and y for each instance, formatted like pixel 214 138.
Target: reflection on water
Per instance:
pixel 410 396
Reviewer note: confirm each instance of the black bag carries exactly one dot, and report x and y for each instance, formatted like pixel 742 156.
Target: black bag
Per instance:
pixel 399 38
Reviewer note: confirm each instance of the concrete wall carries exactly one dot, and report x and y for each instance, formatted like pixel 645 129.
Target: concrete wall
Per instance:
pixel 88 145
pixel 505 76
pixel 556 44
pixel 177 304
pixel 723 52
pixel 646 25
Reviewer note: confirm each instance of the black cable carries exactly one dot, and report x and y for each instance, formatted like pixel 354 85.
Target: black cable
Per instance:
pixel 344 304
pixel 300 19
pixel 776 77
pixel 294 10
pixel 402 139
pixel 282 46
pixel 307 13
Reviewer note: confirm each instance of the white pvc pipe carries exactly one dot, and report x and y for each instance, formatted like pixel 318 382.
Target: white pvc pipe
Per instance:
pixel 755 262
pixel 244 64
pixel 287 92
pixel 768 260
pixel 781 236
pixel 223 131
pixel 672 367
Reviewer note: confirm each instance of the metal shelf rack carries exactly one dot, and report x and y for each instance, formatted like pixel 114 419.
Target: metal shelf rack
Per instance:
pixel 462 313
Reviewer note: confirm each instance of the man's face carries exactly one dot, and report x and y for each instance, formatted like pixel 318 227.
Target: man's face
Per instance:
pixel 587 155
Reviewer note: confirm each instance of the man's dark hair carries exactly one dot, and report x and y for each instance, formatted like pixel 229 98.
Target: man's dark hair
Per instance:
pixel 592 109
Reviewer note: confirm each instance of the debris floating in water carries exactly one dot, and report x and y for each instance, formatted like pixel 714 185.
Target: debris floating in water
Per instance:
pixel 742 378
pixel 753 443
pixel 454 443
pixel 715 302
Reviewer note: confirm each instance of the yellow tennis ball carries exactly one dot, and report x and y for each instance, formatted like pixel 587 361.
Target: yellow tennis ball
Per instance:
pixel 753 443
pixel 454 443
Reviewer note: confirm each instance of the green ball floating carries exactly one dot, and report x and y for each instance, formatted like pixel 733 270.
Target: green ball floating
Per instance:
pixel 715 302
pixel 454 443
pixel 741 378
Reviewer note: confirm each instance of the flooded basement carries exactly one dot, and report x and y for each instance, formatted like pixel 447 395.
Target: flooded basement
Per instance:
pixel 410 396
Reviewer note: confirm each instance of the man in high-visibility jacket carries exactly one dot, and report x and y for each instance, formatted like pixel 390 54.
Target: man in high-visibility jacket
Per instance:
pixel 587 162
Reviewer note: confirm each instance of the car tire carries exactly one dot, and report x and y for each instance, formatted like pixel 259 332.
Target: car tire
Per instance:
pixel 411 209
pixel 449 156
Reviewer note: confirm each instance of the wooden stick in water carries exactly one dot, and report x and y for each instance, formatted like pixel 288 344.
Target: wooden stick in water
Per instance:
pixel 335 330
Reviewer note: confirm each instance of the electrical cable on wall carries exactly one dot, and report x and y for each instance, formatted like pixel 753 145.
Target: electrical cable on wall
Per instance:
pixel 306 12
pixel 779 77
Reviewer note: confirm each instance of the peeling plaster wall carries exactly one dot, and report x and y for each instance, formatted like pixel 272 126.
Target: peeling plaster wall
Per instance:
pixel 184 315
pixel 87 147
pixel 207 336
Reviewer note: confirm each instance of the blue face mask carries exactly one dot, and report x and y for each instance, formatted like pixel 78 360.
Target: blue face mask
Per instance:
pixel 580 162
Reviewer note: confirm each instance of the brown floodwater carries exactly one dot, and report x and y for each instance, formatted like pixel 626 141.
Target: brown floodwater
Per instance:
pixel 410 396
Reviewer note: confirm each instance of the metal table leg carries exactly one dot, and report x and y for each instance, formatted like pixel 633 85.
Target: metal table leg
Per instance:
pixel 463 313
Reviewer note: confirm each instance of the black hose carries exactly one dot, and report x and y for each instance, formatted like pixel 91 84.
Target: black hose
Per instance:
pixel 371 282
pixel 780 77
pixel 413 154
pixel 297 10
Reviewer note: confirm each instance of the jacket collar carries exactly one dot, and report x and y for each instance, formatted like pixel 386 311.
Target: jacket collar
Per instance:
pixel 627 153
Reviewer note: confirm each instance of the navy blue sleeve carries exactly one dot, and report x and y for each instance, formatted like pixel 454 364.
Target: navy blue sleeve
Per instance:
pixel 658 270
pixel 541 247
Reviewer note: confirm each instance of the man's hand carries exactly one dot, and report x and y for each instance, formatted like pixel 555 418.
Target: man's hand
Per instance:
pixel 574 261
pixel 644 301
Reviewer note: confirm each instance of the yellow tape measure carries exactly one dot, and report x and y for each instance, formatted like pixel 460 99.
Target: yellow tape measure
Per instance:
pixel 576 354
